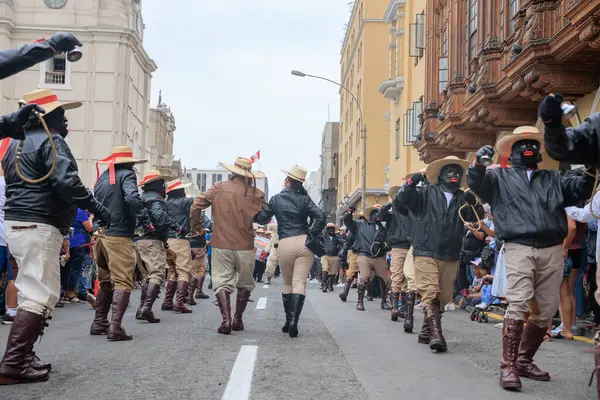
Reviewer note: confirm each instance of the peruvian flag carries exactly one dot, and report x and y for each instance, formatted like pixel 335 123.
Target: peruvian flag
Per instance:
pixel 255 157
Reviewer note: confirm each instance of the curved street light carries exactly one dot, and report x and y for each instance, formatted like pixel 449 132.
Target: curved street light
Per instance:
pixel 363 133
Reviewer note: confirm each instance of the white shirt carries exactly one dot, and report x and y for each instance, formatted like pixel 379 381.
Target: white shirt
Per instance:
pixel 2 201
pixel 529 172
pixel 449 197
pixel 585 215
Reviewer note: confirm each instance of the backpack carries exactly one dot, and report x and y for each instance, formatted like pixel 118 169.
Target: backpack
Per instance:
pixel 488 256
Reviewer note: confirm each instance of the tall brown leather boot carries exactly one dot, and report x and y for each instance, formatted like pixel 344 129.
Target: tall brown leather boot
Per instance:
pixel 138 313
pixel 532 339
pixel 369 290
pixel 180 297
pixel 384 295
pixel 434 320
pixel 36 363
pixel 199 293
pixel 360 305
pixel 511 338
pixel 347 285
pixel 120 302
pixel 103 302
pixel 240 306
pixel 167 304
pixel 223 300
pixel 145 311
pixel 191 290
pixel 324 278
pixel 425 334
pixel 410 311
pixel 16 364
pixel 394 299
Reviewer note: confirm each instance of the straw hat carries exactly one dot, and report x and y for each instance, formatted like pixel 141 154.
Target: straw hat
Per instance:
pixel 369 210
pixel 49 101
pixel 243 167
pixel 505 144
pixel 177 184
pixel 121 155
pixel 432 172
pixel 152 176
pixel 297 172
pixel 393 191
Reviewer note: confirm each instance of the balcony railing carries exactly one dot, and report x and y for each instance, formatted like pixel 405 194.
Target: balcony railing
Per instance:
pixel 55 78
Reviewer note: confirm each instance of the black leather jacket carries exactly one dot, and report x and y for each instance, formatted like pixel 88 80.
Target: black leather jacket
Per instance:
pixel 16 60
pixel 438 230
pixel 123 200
pixel 363 233
pixel 333 244
pixel 199 242
pixel 292 208
pixel 54 201
pixel 159 215
pixel 399 226
pixel 179 209
pixel 579 145
pixel 529 212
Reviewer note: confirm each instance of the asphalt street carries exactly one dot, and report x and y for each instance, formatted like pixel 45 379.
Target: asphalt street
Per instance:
pixel 340 353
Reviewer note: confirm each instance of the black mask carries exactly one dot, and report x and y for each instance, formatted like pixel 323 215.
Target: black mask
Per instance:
pixel 526 154
pixel 450 177
pixel 57 122
pixel 373 215
pixel 331 232
pixel 156 186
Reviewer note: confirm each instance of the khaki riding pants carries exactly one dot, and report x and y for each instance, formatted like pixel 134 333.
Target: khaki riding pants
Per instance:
pixel 533 278
pixel 116 260
pixel 435 279
pixel 295 261
pixel 330 264
pixel 409 271
pixel 399 283
pixel 183 264
pixel 153 257
pixel 36 248
pixel 367 265
pixel 198 263
pixel 272 262
pixel 352 266
pixel 232 269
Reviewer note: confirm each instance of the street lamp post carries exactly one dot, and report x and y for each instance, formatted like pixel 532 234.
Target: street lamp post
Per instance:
pixel 363 133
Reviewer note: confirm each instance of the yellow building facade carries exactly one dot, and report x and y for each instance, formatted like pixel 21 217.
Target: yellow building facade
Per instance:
pixel 363 68
pixel 405 85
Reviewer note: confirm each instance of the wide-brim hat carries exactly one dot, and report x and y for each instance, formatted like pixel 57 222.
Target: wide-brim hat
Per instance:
pixel 297 172
pixel 243 167
pixel 504 144
pixel 393 191
pixel 49 101
pixel 177 184
pixel 432 172
pixel 122 155
pixel 421 171
pixel 152 176
pixel 369 210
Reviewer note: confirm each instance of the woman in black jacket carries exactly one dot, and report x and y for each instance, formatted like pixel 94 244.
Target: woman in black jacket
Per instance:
pixel 292 208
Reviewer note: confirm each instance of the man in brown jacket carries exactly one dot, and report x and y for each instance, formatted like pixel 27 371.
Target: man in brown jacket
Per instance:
pixel 234 204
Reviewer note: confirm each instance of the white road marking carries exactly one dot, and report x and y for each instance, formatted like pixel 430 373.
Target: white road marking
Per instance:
pixel 240 380
pixel 262 303
pixel 265 286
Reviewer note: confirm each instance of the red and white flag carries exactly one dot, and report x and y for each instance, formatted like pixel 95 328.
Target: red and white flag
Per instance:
pixel 255 157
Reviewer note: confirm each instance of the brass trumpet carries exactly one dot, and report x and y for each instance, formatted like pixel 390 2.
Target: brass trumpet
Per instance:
pixel 478 224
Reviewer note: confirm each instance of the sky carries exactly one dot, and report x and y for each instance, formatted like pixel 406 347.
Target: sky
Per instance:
pixel 224 70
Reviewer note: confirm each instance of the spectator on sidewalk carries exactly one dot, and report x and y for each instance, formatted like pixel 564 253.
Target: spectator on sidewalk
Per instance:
pixel 10 296
pixel 77 252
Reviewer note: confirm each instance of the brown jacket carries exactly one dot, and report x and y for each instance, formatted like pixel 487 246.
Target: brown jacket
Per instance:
pixel 234 206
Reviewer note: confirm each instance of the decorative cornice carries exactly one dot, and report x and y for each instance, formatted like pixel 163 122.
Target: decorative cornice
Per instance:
pixel 392 10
